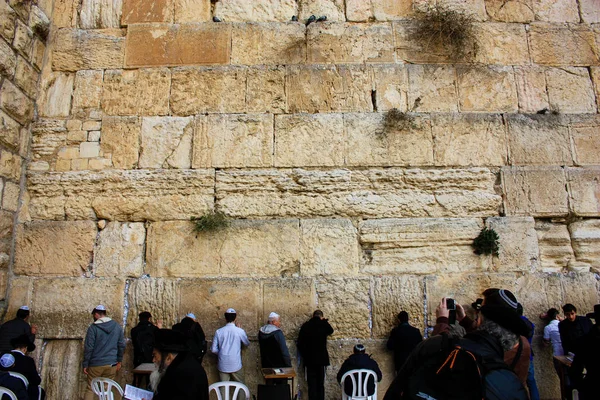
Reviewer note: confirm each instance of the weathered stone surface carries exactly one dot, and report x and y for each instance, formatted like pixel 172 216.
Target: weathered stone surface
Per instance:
pixel 87 91
pixel 535 191
pixel 256 11
pixel 119 251
pixel 469 139
pixel 139 11
pixel 54 248
pixel 65 13
pixel 39 22
pixel 518 244
pixel 61 374
pixel 192 11
pixel 380 10
pixel 586 140
pixel 268 44
pixel 336 88
pixel 233 140
pixel 331 42
pixel 377 193
pixel 555 246
pixel 312 140
pixel 205 90
pixel 500 43
pixel 37 58
pixel 121 138
pixel 57 90
pixel 10 165
pixel 432 88
pixel 391 87
pixel 392 295
pixel 570 90
pixel 26 77
pixel 97 14
pixel 491 89
pixel 166 142
pixel 590 12
pixel 556 11
pixel 413 51
pixel 8 60
pixel 6 229
pixel 581 290
pixel 185 44
pixel 420 246
pixel 538 140
pixel 585 236
pixel 265 90
pixel 135 195
pixel 584 191
pixel 531 89
pixel 554 44
pixel 23 39
pixel 10 131
pixel 48 137
pixel 328 247
pixel 345 302
pixel 159 296
pixel 369 143
pixel 136 92
pixel 244 249
pixel 7 22
pixel 20 293
pixel 333 9
pixel 510 10
pixel 292 299
pixel 53 295
pixel 76 49
pixel 10 196
pixel 15 102
pixel 537 293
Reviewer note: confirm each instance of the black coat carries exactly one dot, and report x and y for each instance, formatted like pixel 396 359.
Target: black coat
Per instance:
pixel 587 355
pixel 403 339
pixel 16 385
pixel 184 379
pixel 312 342
pixel 26 366
pixel 571 332
pixel 359 361
pixel 195 337
pixel 12 329
pixel 142 337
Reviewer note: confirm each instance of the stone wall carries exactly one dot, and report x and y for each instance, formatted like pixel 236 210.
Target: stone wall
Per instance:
pixel 149 113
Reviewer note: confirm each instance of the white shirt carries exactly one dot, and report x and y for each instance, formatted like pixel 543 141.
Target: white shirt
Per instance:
pixel 551 333
pixel 227 344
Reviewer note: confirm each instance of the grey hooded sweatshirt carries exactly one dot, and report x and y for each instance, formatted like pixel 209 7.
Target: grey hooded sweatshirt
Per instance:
pixel 104 343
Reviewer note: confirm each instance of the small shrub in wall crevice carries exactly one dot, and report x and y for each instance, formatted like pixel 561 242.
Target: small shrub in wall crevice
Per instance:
pixel 487 242
pixel 210 222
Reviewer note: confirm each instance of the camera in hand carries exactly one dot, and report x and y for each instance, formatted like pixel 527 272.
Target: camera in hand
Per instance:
pixel 450 304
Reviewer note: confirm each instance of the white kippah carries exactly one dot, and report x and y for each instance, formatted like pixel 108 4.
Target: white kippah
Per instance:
pixel 273 315
pixel 24 308
pixel 100 307
pixel 7 360
pixel 190 315
pixel 230 311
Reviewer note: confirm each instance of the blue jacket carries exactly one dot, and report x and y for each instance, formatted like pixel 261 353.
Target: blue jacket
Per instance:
pixel 104 343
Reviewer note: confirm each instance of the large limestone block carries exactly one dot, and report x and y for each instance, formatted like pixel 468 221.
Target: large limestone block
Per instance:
pixel 208 299
pixel 136 92
pixel 160 297
pixel 536 191
pixel 420 246
pixel 369 143
pixel 414 51
pixel 10 196
pixel 488 89
pixel 377 193
pixel 590 11
pixel 585 131
pixel 57 91
pixel 265 90
pixel 97 14
pixel 346 303
pixel 545 374
pixel 119 251
pixel 309 140
pixel 140 11
pixel 391 87
pixel 321 88
pixel 328 247
pixel 135 195
pixel 51 297
pixel 432 88
pixel 8 60
pixel 6 229
pixel 15 102
pixel 10 165
pixel 531 89
pixel 61 372
pixel 537 293
pixel 585 236
pixel 65 13
pixel 7 21
pixel 166 142
pixel 556 10
pixel 20 293
pixel 246 248
pixel 233 140
pixel 554 242
pixel 469 139
pixel 292 299
pixel 380 10
pixel 208 90
pixel 510 10
pixel 504 44
pixel 48 135
pixel 121 138
pixel 570 90
pixel 339 43
pixel 518 244
pixel 192 11
pixel 581 290
pixel 555 44
pixel 538 140
pixel 179 44
pixel 87 92
pixel 256 11
pixel 26 77
pixel 268 44
pixel 54 248
pixel 392 295
pixel 75 49
pixel 333 9
pixel 584 191
pixel 10 131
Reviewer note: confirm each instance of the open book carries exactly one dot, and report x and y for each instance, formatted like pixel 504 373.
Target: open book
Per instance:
pixel 134 393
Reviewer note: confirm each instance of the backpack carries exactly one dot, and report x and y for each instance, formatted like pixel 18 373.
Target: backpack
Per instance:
pixel 459 371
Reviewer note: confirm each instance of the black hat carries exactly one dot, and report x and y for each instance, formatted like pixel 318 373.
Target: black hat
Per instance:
pixel 21 341
pixel 170 341
pixel 477 304
pixel 501 307
pixel 596 314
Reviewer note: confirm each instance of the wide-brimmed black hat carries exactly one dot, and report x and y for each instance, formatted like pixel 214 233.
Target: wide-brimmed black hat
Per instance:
pixel 596 314
pixel 21 341
pixel 500 306
pixel 170 341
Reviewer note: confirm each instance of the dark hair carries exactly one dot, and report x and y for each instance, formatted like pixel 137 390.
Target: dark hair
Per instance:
pixel 552 314
pixel 22 314
pixel 230 317
pixel 403 316
pixel 318 313
pixel 96 311
pixel 568 308
pixel 145 316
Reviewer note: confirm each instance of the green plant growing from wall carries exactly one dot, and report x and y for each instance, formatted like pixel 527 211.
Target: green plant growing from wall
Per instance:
pixel 396 120
pixel 210 222
pixel 486 242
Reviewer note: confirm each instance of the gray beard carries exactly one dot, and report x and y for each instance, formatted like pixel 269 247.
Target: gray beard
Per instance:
pixel 155 378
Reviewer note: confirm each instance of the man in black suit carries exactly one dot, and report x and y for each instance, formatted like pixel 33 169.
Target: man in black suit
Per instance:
pixel 14 384
pixel 25 365
pixel 403 339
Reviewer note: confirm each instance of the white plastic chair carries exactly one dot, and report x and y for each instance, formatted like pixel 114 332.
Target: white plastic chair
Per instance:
pixel 231 389
pixel 8 392
pixel 360 379
pixel 21 377
pixel 103 388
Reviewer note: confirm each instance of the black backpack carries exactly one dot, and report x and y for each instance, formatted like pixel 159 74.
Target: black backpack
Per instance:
pixel 460 372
